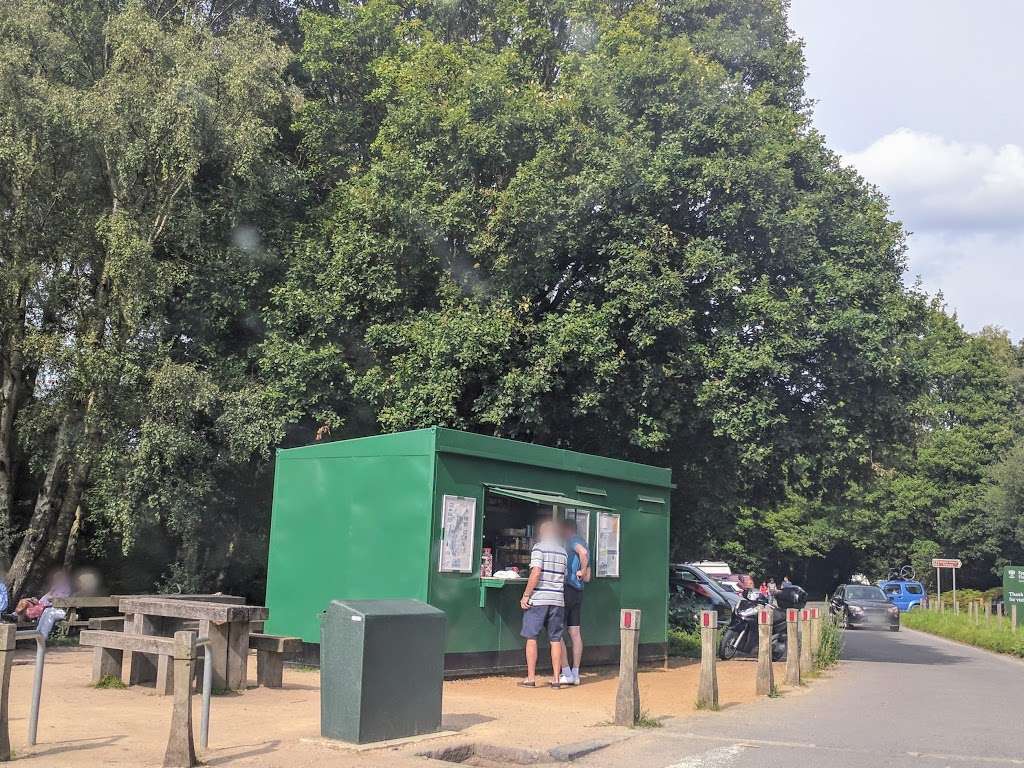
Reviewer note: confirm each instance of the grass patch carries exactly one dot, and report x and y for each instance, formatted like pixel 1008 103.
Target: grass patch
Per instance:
pixel 684 644
pixel 830 645
pixel 111 681
pixel 706 707
pixel 774 693
pixel 305 668
pixel 646 721
pixel 994 635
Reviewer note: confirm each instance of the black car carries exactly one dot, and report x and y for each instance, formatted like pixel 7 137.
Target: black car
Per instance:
pixel 705 591
pixel 857 605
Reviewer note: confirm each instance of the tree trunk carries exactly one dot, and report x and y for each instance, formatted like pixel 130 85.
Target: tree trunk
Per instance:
pixel 12 382
pixel 47 507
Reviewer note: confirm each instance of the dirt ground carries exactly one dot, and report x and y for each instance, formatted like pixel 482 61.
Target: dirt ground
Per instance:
pixel 84 727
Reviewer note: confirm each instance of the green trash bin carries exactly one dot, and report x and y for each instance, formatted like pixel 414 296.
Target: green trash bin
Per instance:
pixel 381 669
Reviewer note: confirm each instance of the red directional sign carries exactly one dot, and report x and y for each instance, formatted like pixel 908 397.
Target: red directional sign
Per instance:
pixel 944 562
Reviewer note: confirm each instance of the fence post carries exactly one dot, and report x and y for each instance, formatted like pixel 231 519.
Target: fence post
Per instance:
pixel 181 751
pixel 7 643
pixel 806 662
pixel 707 693
pixel 988 611
pixel 815 631
pixel 1013 616
pixel 765 673
pixel 792 647
pixel 627 697
pixel 977 612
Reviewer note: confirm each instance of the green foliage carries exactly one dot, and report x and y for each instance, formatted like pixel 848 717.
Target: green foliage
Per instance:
pixel 830 645
pixel 111 681
pixel 609 227
pixel 994 635
pixel 683 643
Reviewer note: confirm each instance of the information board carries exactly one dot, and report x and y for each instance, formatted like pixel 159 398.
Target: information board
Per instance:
pixel 607 544
pixel 1013 591
pixel 458 524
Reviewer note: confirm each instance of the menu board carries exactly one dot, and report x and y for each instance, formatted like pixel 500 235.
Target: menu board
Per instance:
pixel 607 544
pixel 458 521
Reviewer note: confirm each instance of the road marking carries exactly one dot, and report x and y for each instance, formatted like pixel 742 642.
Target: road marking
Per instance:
pixel 720 757
pixel 736 748
pixel 968 758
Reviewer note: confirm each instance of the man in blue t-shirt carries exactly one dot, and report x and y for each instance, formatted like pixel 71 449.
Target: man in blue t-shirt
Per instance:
pixel 577 573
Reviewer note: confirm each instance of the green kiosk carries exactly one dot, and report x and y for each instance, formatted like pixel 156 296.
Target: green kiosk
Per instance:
pixel 426 514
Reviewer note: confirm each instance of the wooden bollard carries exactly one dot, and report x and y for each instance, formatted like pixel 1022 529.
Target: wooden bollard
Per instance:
pixel 792 646
pixel 765 673
pixel 806 662
pixel 707 691
pixel 181 751
pixel 977 612
pixel 815 631
pixel 8 634
pixel 627 697
pixel 988 611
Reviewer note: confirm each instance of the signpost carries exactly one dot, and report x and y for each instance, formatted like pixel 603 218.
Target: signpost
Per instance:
pixel 1013 592
pixel 938 563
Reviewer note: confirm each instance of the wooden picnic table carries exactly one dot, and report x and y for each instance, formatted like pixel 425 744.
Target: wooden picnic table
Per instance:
pixel 226 624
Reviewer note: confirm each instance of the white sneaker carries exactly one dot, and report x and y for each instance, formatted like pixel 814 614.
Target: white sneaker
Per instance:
pixel 567 680
pixel 576 678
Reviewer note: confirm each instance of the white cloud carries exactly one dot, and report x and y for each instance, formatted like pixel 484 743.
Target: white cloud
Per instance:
pixel 964 204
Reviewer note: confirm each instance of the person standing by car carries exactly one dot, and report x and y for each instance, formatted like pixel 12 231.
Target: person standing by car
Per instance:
pixel 576 575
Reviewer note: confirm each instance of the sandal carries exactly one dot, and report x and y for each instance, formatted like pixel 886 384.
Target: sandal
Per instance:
pixel 556 686
pixel 527 683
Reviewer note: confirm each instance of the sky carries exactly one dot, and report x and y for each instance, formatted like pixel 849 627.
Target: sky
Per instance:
pixel 923 97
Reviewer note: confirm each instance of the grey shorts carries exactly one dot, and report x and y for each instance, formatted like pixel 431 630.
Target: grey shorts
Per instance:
pixel 538 617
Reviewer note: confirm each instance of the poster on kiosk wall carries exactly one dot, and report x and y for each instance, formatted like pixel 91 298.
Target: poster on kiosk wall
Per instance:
pixel 607 544
pixel 458 521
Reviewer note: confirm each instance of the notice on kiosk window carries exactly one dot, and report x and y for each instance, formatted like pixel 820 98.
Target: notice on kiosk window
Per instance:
pixel 607 544
pixel 458 518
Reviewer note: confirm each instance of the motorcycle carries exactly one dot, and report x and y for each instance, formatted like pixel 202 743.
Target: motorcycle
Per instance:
pixel 742 633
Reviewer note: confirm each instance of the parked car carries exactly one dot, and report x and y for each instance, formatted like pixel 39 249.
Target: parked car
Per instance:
pixel 705 591
pixel 856 605
pixel 905 594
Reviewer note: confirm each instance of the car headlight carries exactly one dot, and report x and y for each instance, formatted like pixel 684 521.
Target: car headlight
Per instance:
pixel 856 610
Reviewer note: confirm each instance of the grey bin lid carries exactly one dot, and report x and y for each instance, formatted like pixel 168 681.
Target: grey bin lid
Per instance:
pixel 371 609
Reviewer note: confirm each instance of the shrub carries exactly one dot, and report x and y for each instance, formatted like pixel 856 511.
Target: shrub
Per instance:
pixel 685 644
pixel 830 645
pixel 994 634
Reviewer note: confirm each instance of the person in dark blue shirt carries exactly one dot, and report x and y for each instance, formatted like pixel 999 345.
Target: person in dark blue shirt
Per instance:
pixel 577 573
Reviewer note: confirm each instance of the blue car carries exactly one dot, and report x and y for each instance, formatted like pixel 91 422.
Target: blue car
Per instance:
pixel 904 594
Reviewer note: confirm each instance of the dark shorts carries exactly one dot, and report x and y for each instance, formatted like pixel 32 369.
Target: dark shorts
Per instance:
pixel 538 617
pixel 573 606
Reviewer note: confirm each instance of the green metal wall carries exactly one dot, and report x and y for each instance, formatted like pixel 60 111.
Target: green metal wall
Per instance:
pixel 360 519
pixel 353 523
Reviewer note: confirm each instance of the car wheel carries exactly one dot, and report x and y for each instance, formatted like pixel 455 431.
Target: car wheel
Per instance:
pixel 726 649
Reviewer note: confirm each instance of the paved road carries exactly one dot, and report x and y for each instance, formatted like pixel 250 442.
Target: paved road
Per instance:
pixel 905 700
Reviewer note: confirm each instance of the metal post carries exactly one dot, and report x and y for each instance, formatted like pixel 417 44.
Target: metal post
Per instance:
pixel 204 722
pixel 37 688
pixel 938 587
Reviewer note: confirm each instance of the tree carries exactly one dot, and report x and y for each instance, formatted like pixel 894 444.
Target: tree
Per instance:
pixel 608 227
pixel 132 141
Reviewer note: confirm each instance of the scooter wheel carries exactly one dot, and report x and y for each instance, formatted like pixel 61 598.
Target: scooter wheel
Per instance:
pixel 726 647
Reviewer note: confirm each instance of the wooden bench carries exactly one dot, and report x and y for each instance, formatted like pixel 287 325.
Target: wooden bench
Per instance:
pixel 270 653
pixel 109 648
pixel 111 623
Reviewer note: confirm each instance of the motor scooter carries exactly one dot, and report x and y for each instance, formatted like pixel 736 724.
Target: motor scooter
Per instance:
pixel 740 637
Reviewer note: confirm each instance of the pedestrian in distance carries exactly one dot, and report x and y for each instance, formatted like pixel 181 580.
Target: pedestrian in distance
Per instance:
pixel 543 602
